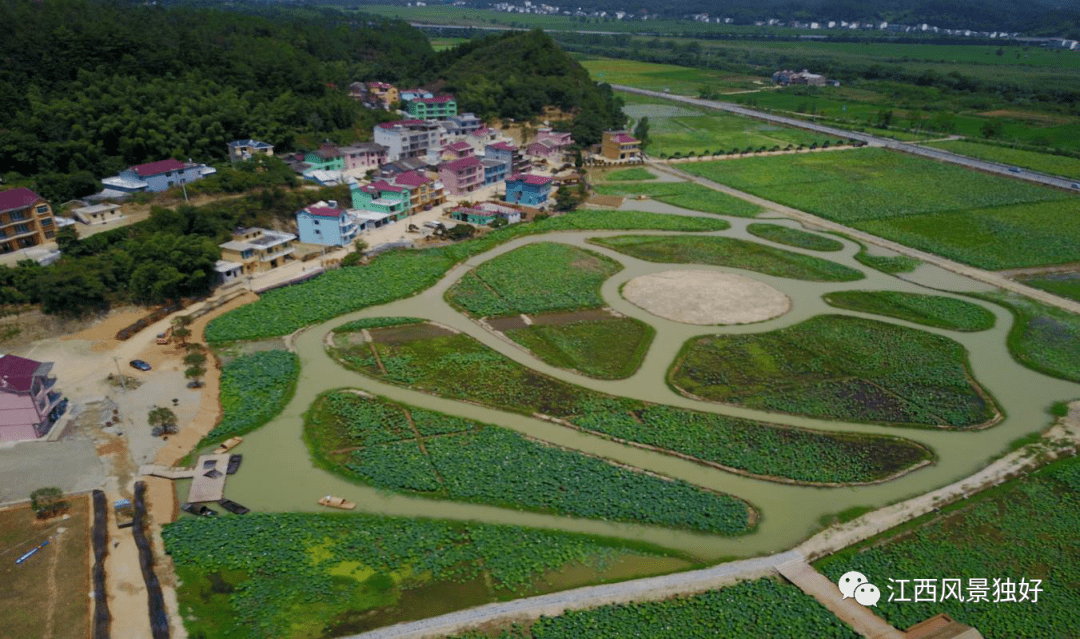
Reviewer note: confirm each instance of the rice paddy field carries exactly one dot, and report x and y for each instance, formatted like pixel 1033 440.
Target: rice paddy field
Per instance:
pixel 1041 162
pixel 660 77
pixel 987 221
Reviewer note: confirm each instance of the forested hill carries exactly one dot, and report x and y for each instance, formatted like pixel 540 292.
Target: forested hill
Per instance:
pixel 87 88
pixel 515 75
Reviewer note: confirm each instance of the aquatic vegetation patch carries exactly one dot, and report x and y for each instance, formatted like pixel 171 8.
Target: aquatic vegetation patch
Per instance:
pixel 839 367
pixel 467 461
pixel 254 389
pixel 459 367
pixel 686 195
pixel 793 237
pixel 929 310
pixel 1043 338
pixel 731 252
pixel 609 348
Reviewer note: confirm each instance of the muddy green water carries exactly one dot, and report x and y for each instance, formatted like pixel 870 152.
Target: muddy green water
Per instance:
pixel 277 474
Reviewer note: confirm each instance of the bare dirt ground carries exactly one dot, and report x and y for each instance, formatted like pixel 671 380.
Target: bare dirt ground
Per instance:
pixel 706 297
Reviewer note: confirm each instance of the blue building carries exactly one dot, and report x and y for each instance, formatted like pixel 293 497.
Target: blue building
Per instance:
pixel 527 189
pixel 494 171
pixel 326 224
pixel 156 176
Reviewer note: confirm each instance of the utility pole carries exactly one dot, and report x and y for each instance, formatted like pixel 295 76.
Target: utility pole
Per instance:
pixel 123 382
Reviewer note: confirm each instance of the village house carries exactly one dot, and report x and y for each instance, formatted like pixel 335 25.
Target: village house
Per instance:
pixel 388 202
pixel 374 94
pixel 527 189
pixel 255 250
pixel 462 176
pixel 96 213
pixel 509 153
pixel 618 145
pixel 457 126
pixel 29 402
pixel 550 144
pixel 481 138
pixel 325 224
pixel 240 150
pixel 424 192
pixel 408 95
pixel 156 176
pixel 390 169
pixel 495 171
pixel 362 157
pixel 456 151
pixel 327 157
pixel 26 220
pixel 410 138
pixel 485 214
pixel 436 108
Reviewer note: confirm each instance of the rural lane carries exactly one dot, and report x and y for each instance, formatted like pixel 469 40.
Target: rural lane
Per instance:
pixel 986 277
pixel 935 154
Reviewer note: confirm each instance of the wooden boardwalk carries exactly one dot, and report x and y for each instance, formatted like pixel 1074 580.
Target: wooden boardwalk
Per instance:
pixel 851 612
pixel 168 472
pixel 207 485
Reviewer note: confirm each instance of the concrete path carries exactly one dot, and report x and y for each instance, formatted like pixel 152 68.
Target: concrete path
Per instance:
pixel 987 277
pixel 873 140
pixel 648 589
pixel 851 612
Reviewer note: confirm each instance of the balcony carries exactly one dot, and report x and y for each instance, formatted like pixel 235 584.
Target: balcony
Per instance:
pixel 267 257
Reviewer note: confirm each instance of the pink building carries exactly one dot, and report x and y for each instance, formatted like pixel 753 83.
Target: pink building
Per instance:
pixel 28 402
pixel 457 150
pixel 364 156
pixel 550 144
pixel 462 176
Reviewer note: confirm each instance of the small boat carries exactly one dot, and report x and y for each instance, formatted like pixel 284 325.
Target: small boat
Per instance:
pixel 198 509
pixel 234 464
pixel 336 502
pixel 228 445
pixel 233 507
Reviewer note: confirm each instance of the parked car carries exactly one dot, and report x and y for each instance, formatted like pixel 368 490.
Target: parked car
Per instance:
pixel 140 364
pixel 1075 185
pixel 1013 169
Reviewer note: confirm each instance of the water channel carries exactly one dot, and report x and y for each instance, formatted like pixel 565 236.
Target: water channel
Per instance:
pixel 278 474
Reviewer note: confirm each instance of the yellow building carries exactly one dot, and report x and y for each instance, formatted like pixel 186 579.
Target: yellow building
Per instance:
pixel 618 145
pixel 26 220
pixel 255 250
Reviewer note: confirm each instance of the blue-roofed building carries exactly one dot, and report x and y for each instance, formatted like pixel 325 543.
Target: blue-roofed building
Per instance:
pixel 527 189
pixel 326 224
pixel 240 150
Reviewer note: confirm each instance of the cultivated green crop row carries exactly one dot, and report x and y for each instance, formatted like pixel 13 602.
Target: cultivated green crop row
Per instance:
pixel 761 608
pixel 929 310
pixel 1043 338
pixel 686 195
pixel 729 251
pixel 533 279
pixel 606 349
pixel 793 237
pixel 838 367
pixel 1024 530
pixel 491 465
pixel 299 575
pixel 254 389
pixel 398 274
pixel 459 367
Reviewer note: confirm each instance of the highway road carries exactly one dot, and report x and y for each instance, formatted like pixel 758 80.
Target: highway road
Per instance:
pixel 873 140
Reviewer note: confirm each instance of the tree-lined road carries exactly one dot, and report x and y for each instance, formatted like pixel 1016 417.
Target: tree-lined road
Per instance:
pixel 873 140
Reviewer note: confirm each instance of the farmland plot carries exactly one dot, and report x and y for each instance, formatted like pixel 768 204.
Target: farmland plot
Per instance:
pixel 929 310
pixel 373 441
pixel 793 237
pixel 839 367
pixel 683 194
pixel 1043 338
pixel 459 367
pixel 254 389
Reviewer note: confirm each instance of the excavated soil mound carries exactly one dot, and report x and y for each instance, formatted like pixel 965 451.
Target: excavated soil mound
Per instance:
pixel 705 297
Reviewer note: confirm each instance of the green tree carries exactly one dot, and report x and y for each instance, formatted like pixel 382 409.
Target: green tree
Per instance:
pixel 67 240
pixel 47 502
pixel 66 289
pixel 181 331
pixel 992 129
pixel 161 417
pixel 641 131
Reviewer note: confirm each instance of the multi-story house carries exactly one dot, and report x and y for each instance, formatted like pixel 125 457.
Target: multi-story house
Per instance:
pixel 460 125
pixel 618 145
pixel 328 157
pixel 364 156
pixel 29 401
pixel 326 224
pixel 382 94
pixel 462 176
pixel 409 138
pixel 439 107
pixel 424 192
pixel 550 144
pixel 381 197
pixel 408 95
pixel 509 153
pixel 485 214
pixel 26 220
pixel 495 171
pixel 527 189
pixel 456 151
pixel 255 250
pixel 156 176
pixel 480 138
pixel 241 150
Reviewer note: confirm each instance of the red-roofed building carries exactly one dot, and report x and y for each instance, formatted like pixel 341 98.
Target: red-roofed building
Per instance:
pixel 327 224
pixel 550 144
pixel 438 107
pixel 29 403
pixel 528 189
pixel 156 176
pixel 515 161
pixel 457 150
pixel 462 176
pixel 26 220
pixel 618 145
pixel 424 192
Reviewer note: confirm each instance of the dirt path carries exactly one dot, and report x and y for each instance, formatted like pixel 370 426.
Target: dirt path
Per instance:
pixel 813 221
pixel 57 542
pixel 1035 271
pixel 851 612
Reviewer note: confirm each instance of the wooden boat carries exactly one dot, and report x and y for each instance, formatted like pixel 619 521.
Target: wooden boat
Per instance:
pixel 233 507
pixel 336 502
pixel 234 464
pixel 198 509
pixel 228 445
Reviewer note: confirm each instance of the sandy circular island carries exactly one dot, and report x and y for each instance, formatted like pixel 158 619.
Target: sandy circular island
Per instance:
pixel 706 297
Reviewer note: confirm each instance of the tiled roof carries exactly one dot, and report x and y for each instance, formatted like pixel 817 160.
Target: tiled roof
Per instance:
pixel 622 138
pixel 529 178
pixel 154 168
pixel 459 146
pixel 504 146
pixel 390 125
pixel 439 99
pixel 328 152
pixel 17 373
pixel 17 198
pixel 383 185
pixel 324 211
pixel 252 143
pixel 463 163
pixel 411 178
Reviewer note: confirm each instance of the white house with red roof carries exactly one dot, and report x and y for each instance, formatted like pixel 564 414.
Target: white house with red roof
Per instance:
pixel 327 224
pixel 156 176
pixel 29 401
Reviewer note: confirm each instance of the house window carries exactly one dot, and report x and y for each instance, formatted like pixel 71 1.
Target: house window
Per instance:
pixel 18 215
pixel 247 253
pixel 22 228
pixel 50 234
pixel 43 208
pixel 46 221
